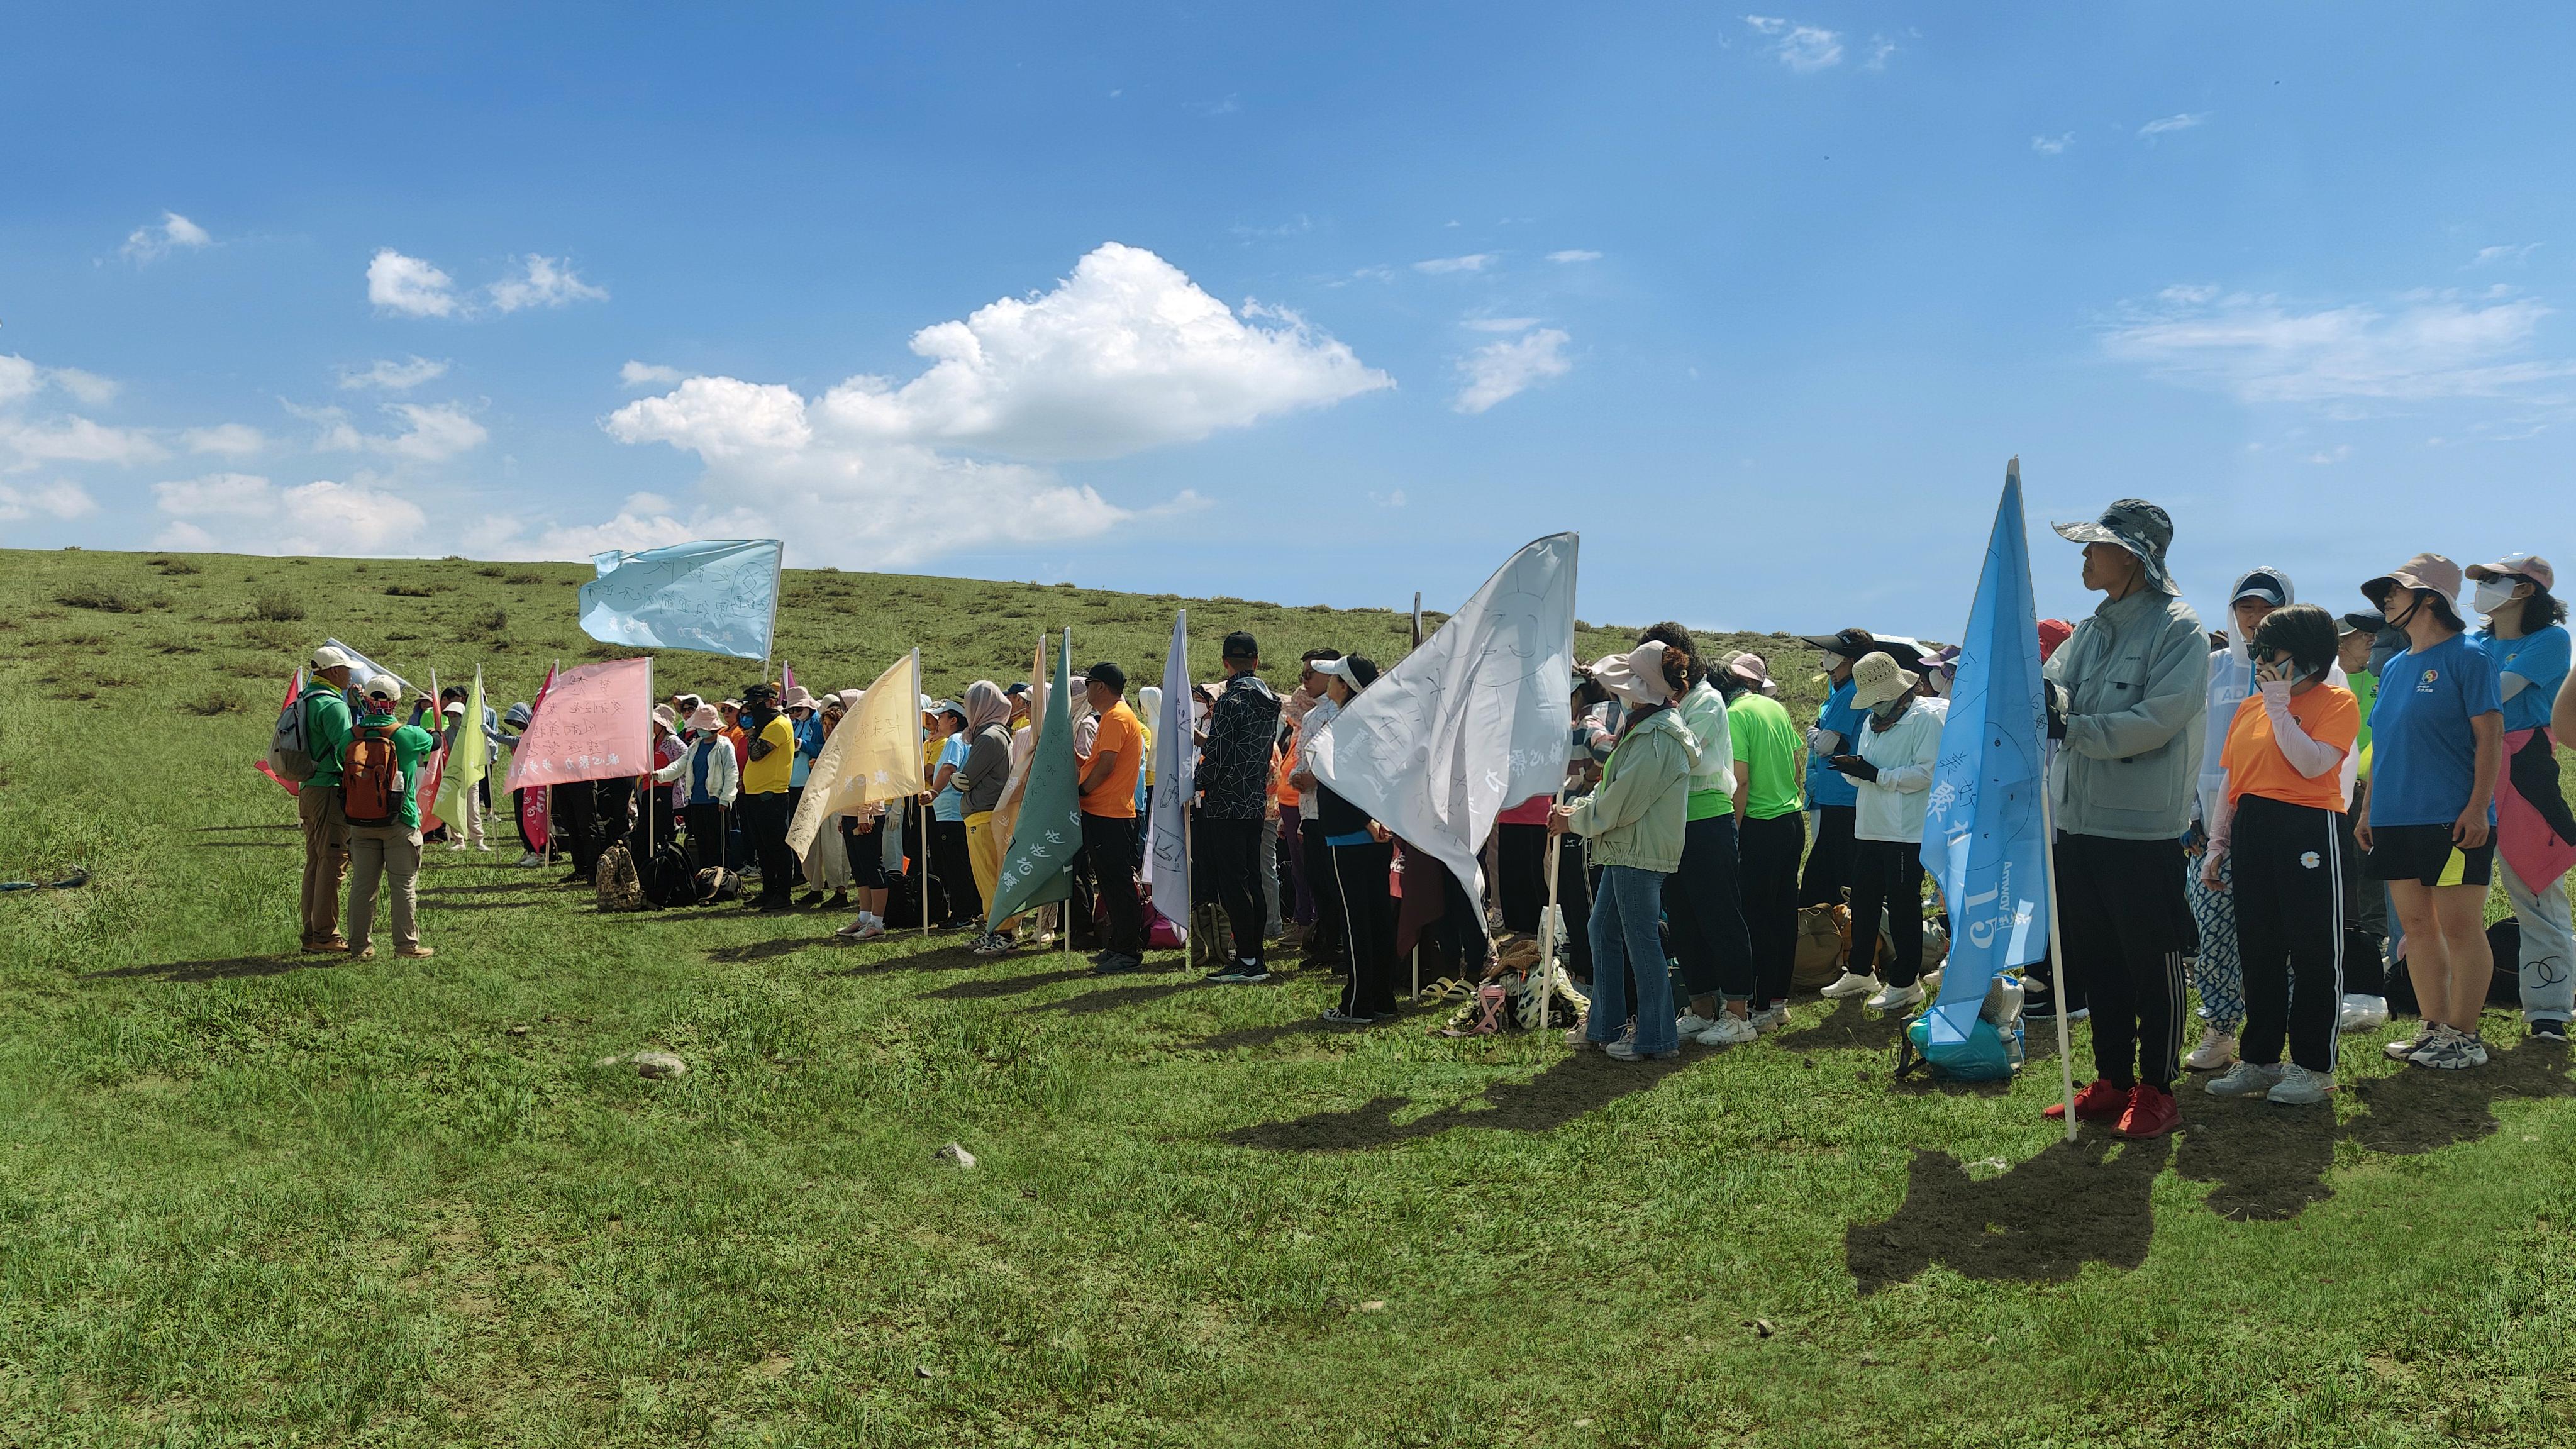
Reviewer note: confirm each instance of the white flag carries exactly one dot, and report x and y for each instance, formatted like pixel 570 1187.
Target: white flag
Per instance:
pixel 1472 721
pixel 1176 766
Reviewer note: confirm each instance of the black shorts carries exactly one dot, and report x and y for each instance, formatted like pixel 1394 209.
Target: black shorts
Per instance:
pixel 2424 853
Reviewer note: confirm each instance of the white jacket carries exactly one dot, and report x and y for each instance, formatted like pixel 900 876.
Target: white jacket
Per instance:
pixel 1891 806
pixel 1703 709
pixel 723 781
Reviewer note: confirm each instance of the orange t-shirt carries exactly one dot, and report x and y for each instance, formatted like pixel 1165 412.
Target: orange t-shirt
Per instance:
pixel 2255 765
pixel 1115 797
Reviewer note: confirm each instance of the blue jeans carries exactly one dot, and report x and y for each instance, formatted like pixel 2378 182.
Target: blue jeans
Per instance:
pixel 1627 935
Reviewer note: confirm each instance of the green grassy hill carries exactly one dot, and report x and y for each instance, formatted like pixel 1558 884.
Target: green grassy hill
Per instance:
pixel 251 1197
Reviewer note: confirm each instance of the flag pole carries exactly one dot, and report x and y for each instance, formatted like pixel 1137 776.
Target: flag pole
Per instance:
pixel 1547 918
pixel 2057 957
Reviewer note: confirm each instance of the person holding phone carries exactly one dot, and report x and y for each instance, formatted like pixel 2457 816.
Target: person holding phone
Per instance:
pixel 2275 842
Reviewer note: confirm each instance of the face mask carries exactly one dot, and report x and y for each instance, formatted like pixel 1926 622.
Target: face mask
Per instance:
pixel 2493 595
pixel 1889 710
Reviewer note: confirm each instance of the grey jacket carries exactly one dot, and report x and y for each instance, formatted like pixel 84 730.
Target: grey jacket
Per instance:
pixel 2136 677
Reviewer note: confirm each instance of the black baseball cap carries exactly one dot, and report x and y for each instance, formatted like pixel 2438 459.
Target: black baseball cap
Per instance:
pixel 1240 645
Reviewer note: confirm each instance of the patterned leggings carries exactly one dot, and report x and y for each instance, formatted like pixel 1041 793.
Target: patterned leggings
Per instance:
pixel 2218 972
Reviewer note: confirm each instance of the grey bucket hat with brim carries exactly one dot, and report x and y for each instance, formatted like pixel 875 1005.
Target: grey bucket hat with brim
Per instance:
pixel 2136 525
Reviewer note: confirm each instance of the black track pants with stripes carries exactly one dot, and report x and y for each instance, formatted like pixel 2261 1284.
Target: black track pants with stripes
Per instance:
pixel 2289 923
pixel 2126 929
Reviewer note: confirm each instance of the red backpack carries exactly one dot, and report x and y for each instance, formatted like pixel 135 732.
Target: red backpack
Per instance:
pixel 371 782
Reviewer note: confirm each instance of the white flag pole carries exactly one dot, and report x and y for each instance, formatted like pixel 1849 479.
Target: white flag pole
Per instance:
pixel 2057 955
pixel 1547 920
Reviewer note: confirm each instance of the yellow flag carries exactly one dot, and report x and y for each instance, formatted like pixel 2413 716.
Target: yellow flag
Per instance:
pixel 468 761
pixel 873 754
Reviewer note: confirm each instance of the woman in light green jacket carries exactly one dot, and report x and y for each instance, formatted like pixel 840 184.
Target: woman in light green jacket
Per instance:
pixel 1634 825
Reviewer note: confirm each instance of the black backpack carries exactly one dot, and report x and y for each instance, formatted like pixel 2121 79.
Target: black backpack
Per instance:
pixel 670 879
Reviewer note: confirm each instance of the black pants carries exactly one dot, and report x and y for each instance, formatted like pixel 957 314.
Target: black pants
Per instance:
pixel 2126 928
pixel 576 813
pixel 1766 853
pixel 706 834
pixel 1324 943
pixel 1521 862
pixel 956 871
pixel 1232 850
pixel 1461 927
pixel 2365 920
pixel 1110 843
pixel 2289 883
pixel 1887 875
pixel 1359 881
pixel 1575 883
pixel 1704 901
pixel 1829 865
pixel 764 828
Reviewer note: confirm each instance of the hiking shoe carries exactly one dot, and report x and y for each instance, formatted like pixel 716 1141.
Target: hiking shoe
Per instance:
pixel 1849 984
pixel 1575 1040
pixel 363 953
pixel 1896 998
pixel 1625 1050
pixel 2245 1079
pixel 2299 1087
pixel 2217 1048
pixel 531 858
pixel 2151 1113
pixel 2405 1047
pixel 1691 1024
pixel 2476 1046
pixel 992 943
pixel 2361 1013
pixel 1113 963
pixel 1339 1017
pixel 415 953
pixel 2448 1050
pixel 1771 1018
pixel 1728 1031
pixel 810 899
pixel 327 943
pixel 1239 973
pixel 2098 1102
pixel 2549 1030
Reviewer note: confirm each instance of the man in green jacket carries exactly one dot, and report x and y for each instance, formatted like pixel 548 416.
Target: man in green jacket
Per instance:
pixel 2128 704
pixel 317 804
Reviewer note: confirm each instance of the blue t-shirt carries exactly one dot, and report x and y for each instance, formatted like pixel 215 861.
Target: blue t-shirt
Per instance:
pixel 1825 784
pixel 2423 754
pixel 950 804
pixel 2540 658
pixel 810 736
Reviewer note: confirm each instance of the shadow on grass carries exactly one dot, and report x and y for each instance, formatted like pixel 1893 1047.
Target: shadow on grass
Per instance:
pixel 245 845
pixel 1851 1026
pixel 1573 1087
pixel 2264 1161
pixel 1093 1002
pixel 219 829
pixel 2420 1110
pixel 503 888
pixel 228 969
pixel 444 907
pixel 2088 1201
pixel 986 988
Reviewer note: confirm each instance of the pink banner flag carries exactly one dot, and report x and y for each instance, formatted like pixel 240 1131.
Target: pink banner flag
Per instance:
pixel 597 725
pixel 536 807
pixel 786 680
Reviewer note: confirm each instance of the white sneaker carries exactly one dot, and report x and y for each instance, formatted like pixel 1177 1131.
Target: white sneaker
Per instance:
pixel 1896 998
pixel 2299 1086
pixel 2405 1047
pixel 1850 984
pixel 532 858
pixel 486 849
pixel 1728 1031
pixel 1931 982
pixel 2245 1079
pixel 1770 1018
pixel 1575 1040
pixel 1691 1023
pixel 2362 1013
pixel 2217 1048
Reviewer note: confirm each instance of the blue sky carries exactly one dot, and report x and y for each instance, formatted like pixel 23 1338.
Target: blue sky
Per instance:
pixel 1314 303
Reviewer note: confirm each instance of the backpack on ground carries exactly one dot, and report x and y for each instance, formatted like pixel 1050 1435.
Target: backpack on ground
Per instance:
pixel 290 750
pixel 670 880
pixel 372 786
pixel 715 885
pixel 615 880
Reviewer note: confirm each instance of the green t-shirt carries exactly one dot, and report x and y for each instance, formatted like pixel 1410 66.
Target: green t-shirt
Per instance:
pixel 1771 752
pixel 2365 688
pixel 412 744
pixel 326 730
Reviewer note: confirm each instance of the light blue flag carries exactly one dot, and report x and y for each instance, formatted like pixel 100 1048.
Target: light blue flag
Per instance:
pixel 1983 837
pixel 715 596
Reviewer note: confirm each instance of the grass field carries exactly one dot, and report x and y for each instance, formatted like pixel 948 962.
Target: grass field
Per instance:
pixel 260 1198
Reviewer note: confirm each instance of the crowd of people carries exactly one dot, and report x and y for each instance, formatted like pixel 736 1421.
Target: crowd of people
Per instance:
pixel 2295 818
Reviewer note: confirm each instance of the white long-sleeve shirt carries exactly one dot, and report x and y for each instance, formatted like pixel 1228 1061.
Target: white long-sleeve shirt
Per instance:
pixel 1891 807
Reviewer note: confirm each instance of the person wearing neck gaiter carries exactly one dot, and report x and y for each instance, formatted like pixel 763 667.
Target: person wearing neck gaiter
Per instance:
pixel 1634 825
pixel 2129 704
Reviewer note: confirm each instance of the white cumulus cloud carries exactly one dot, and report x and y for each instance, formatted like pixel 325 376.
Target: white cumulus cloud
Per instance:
pixel 226 440
pixel 543 282
pixel 154 240
pixel 2264 350
pixel 58 500
pixel 431 432
pixel 1124 355
pixel 648 374
pixel 409 287
pixel 1501 370
pixel 390 376
pixel 246 513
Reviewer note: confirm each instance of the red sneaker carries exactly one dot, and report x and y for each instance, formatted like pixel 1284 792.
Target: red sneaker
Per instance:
pixel 2151 1113
pixel 2098 1102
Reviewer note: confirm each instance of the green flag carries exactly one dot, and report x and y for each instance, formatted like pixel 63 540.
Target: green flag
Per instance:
pixel 1036 870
